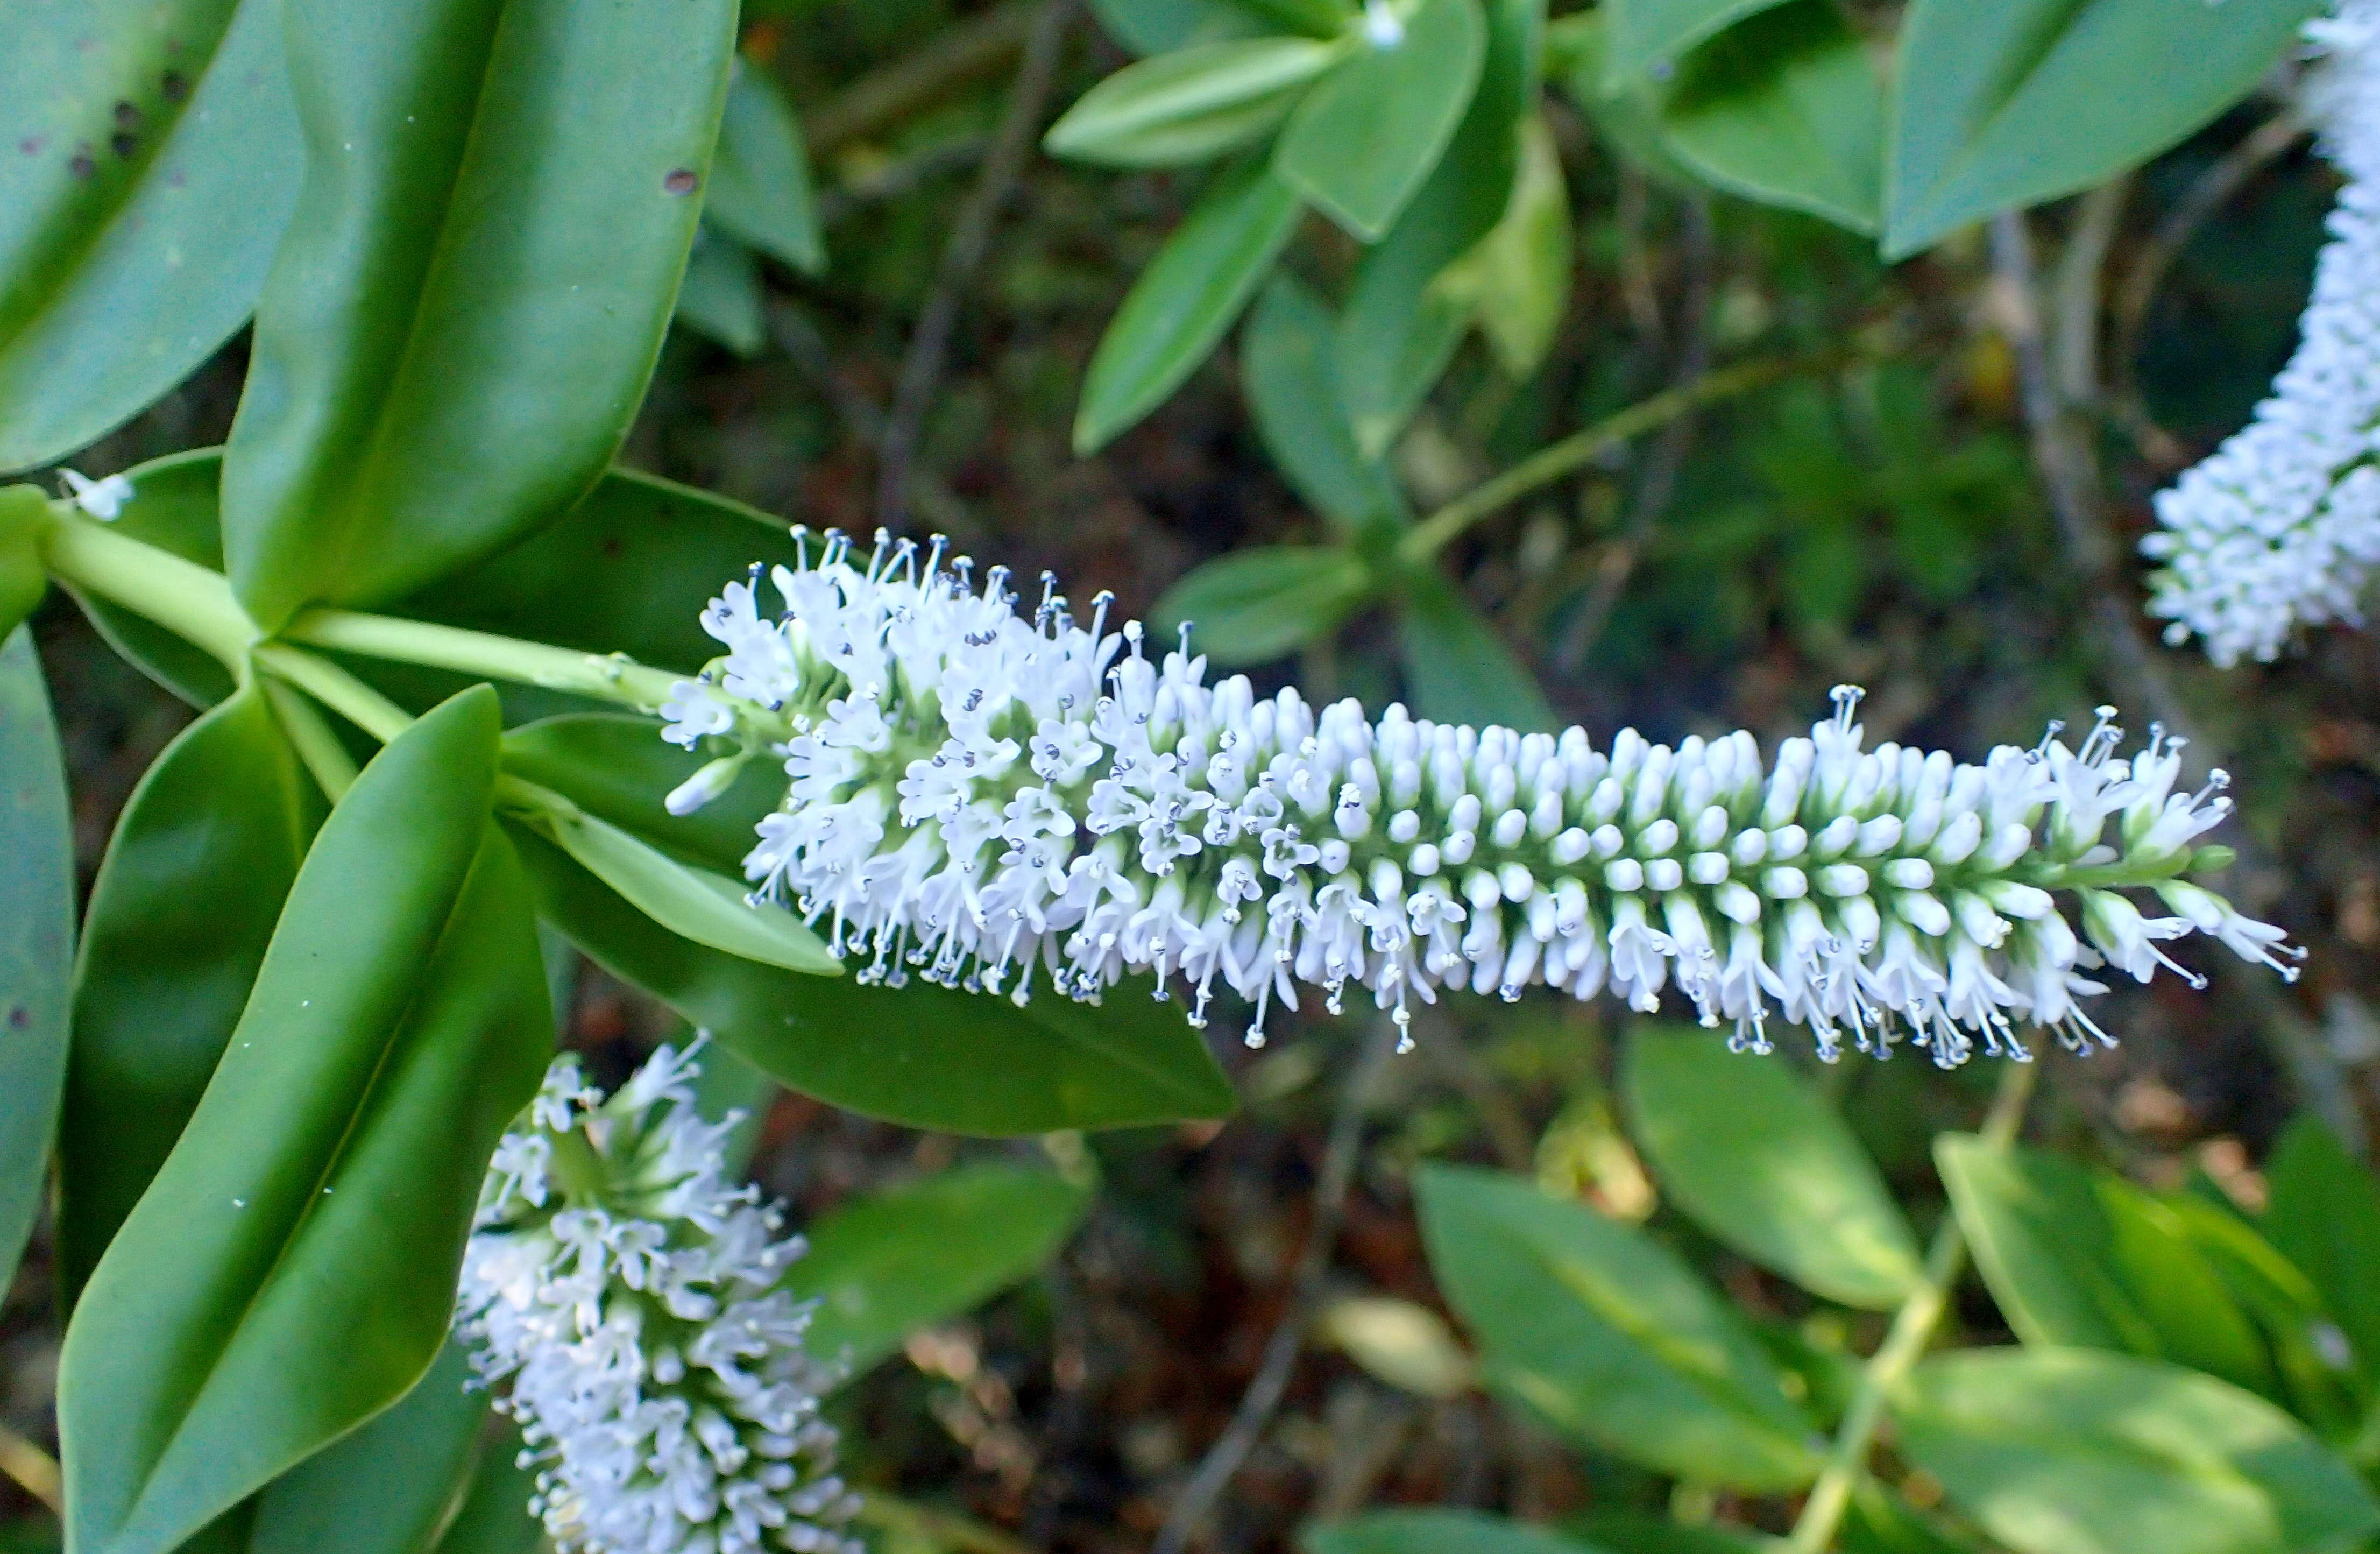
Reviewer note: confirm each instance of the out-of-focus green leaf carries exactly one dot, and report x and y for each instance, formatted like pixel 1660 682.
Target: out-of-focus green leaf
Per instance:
pixel 2323 1216
pixel 1291 384
pixel 385 1488
pixel 494 196
pixel 760 188
pixel 1630 1532
pixel 728 1083
pixel 2019 102
pixel 1146 27
pixel 1435 1532
pixel 1608 1334
pixel 1399 326
pixel 2077 1451
pixel 886 1265
pixel 2319 1381
pixel 1192 104
pixel 1185 300
pixel 495 1516
pixel 1764 1164
pixel 2085 1259
pixel 1881 1522
pixel 152 163
pixel 290 1272
pixel 1516 281
pixel 24 579
pixel 720 294
pixel 184 906
pixel 1647 33
pixel 37 940
pixel 1785 109
pixel 1626 114
pixel 1456 666
pixel 1361 142
pixel 921 1055
pixel 1258 603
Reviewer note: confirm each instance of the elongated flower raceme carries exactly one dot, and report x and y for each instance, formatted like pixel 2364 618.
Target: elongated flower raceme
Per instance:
pixel 985 799
pixel 629 1297
pixel 2281 526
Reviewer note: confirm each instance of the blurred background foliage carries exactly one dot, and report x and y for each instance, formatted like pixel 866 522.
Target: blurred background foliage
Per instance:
pixel 896 326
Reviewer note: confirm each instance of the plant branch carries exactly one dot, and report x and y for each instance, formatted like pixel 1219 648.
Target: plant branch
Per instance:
pixel 602 677
pixel 316 742
pixel 336 689
pixel 182 596
pixel 1905 1342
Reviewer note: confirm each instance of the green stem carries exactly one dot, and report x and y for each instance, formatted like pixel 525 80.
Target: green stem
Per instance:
pixel 1912 1329
pixel 182 596
pixel 615 678
pixel 1555 460
pixel 317 743
pixel 336 689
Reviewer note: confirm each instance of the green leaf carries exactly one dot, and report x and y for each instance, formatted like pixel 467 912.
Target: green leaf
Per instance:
pixel 2317 1368
pixel 1260 603
pixel 1647 33
pixel 2085 1259
pixel 24 577
pixel 384 1488
pixel 1146 27
pixel 1291 385
pixel 1626 112
pixel 1608 1334
pixel 1749 1150
pixel 1361 142
pixel 2325 1215
pixel 697 904
pixel 760 177
pixel 1401 327
pixel 2012 104
pixel 37 940
pixel 720 294
pixel 495 1516
pixel 1192 104
pixel 291 1270
pixel 921 1055
pixel 886 1265
pixel 172 507
pixel 1185 300
pixel 184 906
pixel 152 163
pixel 2074 1452
pixel 1434 1532
pixel 1516 281
pixel 617 765
pixel 1636 1533
pixel 494 196
pixel 1456 666
pixel 1784 109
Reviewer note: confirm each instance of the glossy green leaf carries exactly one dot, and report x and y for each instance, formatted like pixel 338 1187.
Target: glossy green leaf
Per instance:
pixel 1260 603
pixel 721 297
pixel 1785 109
pixel 617 765
pixel 1361 142
pixel 1399 326
pixel 1457 668
pixel 24 577
pixel 697 904
pixel 921 1055
pixel 290 1272
pixel 2075 1452
pixel 1185 300
pixel 495 196
pixel 1759 1160
pixel 184 904
pixel 495 1516
pixel 2085 1259
pixel 886 1265
pixel 1435 1532
pixel 1146 27
pixel 153 161
pixel 2323 1216
pixel 37 934
pixel 760 188
pixel 2021 100
pixel 1190 104
pixel 1647 33
pixel 1515 282
pixel 1626 112
pixel 1290 380
pixel 1608 1334
pixel 386 1488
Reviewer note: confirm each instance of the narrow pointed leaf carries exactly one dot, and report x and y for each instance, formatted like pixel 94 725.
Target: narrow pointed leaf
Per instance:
pixel 495 195
pixel 760 177
pixel 291 1270
pixel 1257 604
pixel 152 161
pixel 37 924
pixel 184 906
pixel 1190 104
pixel 385 1488
pixel 1361 142
pixel 1290 378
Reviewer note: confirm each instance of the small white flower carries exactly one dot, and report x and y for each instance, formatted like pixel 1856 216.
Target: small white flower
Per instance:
pixel 1012 797
pixel 102 499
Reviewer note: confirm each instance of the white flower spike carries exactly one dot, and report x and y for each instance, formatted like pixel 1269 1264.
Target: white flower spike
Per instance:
pixel 983 799
pixel 630 1296
pixel 2280 526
